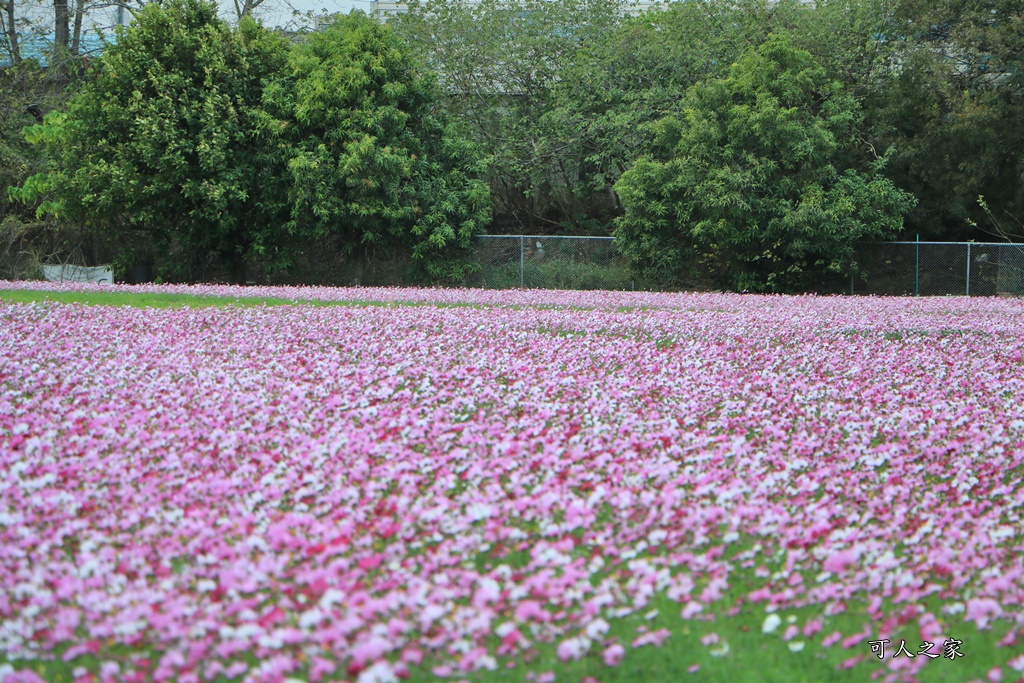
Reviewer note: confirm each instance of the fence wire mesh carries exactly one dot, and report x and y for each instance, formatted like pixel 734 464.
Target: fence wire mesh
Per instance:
pixel 549 262
pixel 884 268
pixel 938 269
pixel 564 262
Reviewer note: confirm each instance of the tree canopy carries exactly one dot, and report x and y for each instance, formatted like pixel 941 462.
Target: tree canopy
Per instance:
pixel 758 179
pixel 371 159
pixel 166 148
pixel 199 143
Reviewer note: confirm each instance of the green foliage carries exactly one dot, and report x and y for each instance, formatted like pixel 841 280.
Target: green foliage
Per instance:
pixel 636 72
pixel 26 92
pixel 953 109
pixel 197 144
pixel 749 179
pixel 165 148
pixel 499 63
pixel 370 159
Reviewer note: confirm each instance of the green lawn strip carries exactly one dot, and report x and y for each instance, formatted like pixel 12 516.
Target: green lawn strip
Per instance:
pixel 173 300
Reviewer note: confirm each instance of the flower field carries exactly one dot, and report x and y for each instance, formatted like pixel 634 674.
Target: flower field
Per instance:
pixel 518 486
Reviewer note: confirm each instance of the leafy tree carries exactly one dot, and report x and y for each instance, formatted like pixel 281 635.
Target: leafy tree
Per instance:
pixel 755 179
pixel 953 109
pixel 854 42
pixel 499 62
pixel 167 149
pixel 371 159
pixel 25 93
pixel 636 72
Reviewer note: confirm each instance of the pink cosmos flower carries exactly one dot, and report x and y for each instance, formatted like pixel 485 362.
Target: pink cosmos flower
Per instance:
pixel 838 562
pixel 613 654
pixel 655 638
pixel 531 610
pixel 692 609
pixel 812 627
pixel 982 611
pixel 851 662
pixel 831 639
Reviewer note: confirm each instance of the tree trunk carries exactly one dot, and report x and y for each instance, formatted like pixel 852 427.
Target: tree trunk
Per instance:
pixel 238 269
pixel 60 24
pixel 77 36
pixel 12 33
pixel 246 8
pixel 59 56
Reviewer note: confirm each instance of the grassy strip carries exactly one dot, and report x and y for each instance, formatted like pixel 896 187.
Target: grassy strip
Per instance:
pixel 169 300
pixel 134 299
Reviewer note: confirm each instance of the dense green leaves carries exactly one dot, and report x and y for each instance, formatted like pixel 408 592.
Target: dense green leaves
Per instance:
pixel 637 72
pixel 197 143
pixel 371 161
pixel 27 91
pixel 955 112
pixel 750 180
pixel 163 150
pixel 499 63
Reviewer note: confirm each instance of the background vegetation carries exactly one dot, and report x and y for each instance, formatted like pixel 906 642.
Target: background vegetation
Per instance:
pixel 678 130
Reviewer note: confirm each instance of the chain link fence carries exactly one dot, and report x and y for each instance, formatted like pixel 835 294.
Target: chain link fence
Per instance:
pixel 938 269
pixel 883 268
pixel 561 262
pixel 549 262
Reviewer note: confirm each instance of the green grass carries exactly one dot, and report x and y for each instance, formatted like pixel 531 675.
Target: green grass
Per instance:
pixel 753 657
pixel 161 300
pixel 135 299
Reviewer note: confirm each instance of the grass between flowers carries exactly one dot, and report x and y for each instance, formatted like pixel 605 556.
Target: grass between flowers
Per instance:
pixel 145 300
pixel 729 648
pixel 98 297
pixel 374 493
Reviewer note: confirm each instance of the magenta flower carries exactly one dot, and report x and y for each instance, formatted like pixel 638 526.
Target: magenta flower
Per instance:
pixel 613 654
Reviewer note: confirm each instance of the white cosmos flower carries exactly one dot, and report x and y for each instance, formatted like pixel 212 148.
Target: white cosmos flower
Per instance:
pixel 771 623
pixel 795 645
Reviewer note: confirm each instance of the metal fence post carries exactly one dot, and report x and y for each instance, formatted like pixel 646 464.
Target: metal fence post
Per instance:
pixel 917 266
pixel 968 269
pixel 522 262
pixel 999 270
